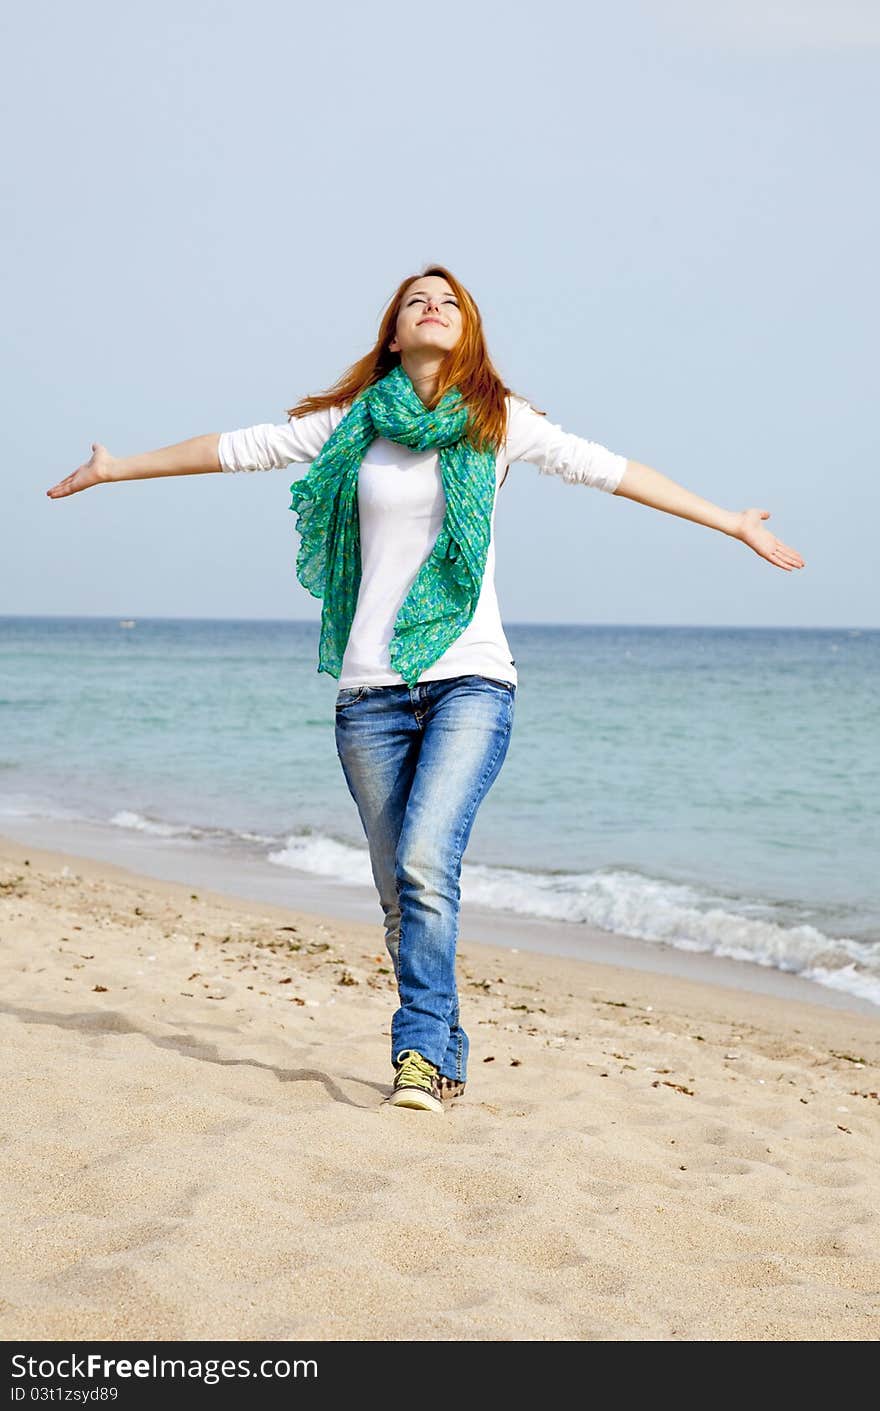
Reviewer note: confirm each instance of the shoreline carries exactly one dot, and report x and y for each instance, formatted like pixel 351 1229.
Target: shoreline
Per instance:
pixel 255 880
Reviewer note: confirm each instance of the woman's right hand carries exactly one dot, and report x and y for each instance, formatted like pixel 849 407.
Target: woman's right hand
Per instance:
pixel 97 470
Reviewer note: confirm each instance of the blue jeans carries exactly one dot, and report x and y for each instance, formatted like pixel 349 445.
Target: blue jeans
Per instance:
pixel 418 762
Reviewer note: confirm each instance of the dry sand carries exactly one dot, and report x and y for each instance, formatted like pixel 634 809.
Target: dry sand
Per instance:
pixel 195 1144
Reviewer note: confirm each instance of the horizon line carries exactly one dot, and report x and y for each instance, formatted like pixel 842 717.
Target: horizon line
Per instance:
pixel 315 622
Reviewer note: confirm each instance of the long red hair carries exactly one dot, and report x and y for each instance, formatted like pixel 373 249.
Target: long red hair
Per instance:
pixel 467 366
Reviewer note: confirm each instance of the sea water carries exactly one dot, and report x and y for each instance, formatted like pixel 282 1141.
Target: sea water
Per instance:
pixel 715 789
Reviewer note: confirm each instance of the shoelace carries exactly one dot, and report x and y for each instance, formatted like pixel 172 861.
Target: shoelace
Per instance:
pixel 416 1072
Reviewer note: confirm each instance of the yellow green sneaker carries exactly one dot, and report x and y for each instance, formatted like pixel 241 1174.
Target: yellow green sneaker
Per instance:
pixel 416 1083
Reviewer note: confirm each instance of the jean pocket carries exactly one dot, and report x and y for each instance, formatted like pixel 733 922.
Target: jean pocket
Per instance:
pixel 348 695
pixel 508 686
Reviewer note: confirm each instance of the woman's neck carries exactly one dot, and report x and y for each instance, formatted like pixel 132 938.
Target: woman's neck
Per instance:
pixel 423 373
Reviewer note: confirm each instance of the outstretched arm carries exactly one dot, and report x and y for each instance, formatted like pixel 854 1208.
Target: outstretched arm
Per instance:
pixel 650 487
pixel 265 446
pixel 196 456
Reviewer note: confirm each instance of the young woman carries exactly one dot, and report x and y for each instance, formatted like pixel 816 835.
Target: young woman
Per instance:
pixel 396 516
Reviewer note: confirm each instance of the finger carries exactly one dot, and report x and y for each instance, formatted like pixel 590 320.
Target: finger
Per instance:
pixel 64 487
pixel 791 555
pixel 772 554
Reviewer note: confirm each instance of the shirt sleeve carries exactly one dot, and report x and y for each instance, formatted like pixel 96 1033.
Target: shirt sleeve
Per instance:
pixel 532 437
pixel 270 447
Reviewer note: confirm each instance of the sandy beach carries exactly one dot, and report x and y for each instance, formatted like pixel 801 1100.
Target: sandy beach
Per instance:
pixel 195 1144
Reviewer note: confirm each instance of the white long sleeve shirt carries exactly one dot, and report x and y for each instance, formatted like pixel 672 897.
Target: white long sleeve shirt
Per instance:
pixel 401 507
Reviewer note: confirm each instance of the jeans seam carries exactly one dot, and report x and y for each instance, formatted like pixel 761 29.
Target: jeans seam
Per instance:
pixel 478 791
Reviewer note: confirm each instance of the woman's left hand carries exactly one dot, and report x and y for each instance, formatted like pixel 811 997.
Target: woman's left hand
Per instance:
pixel 751 532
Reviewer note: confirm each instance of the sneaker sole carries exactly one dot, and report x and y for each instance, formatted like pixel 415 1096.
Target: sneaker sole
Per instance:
pixel 412 1097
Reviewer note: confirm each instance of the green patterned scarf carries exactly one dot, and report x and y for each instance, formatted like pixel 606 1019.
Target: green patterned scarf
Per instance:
pixel 444 593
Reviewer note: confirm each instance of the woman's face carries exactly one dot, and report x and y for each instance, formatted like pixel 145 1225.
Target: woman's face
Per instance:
pixel 429 317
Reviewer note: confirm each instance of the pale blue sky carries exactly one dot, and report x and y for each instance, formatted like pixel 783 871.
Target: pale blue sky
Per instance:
pixel 668 214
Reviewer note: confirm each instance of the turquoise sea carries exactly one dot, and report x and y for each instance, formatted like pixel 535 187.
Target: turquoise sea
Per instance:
pixel 714 789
